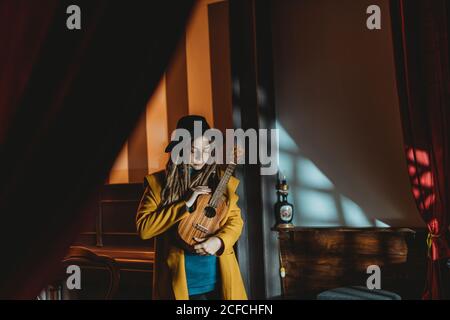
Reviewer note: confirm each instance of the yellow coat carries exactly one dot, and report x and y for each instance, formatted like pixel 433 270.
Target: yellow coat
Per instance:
pixel 169 281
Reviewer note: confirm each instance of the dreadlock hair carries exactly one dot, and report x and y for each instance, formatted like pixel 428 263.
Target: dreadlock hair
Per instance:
pixel 178 181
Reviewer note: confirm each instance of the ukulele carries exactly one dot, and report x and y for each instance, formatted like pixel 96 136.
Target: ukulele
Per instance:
pixel 210 210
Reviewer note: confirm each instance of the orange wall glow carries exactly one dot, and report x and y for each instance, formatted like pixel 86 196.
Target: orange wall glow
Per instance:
pixel 186 88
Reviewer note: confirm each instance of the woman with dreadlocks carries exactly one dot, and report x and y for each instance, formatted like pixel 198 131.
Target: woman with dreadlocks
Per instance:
pixel 212 271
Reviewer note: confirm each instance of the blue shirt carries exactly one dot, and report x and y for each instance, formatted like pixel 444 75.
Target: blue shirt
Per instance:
pixel 201 273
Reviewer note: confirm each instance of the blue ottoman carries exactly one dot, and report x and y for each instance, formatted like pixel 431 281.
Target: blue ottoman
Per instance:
pixel 357 293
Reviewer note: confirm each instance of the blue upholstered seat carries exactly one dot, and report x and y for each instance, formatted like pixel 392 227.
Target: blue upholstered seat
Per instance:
pixel 357 293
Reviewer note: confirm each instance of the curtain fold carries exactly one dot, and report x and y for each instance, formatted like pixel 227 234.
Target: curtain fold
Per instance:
pixel 23 27
pixel 68 101
pixel 421 41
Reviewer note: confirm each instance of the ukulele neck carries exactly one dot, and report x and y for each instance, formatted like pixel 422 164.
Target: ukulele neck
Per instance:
pixel 220 190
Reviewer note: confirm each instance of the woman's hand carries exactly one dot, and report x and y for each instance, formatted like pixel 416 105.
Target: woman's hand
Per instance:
pixel 208 246
pixel 195 193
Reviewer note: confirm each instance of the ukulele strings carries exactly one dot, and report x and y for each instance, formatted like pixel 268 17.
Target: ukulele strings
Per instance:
pixel 194 232
pixel 204 220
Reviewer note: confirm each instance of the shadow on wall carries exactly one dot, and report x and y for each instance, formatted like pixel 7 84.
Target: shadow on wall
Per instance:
pixel 317 200
pixel 337 102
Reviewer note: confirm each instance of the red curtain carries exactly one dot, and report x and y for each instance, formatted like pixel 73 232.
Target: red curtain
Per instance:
pixel 68 101
pixel 421 29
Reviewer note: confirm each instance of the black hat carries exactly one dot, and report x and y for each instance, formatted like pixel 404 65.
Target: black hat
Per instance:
pixel 187 123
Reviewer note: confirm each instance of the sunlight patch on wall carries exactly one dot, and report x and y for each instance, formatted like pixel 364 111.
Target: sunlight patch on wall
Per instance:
pixel 310 176
pixel 381 224
pixel 316 200
pixel 286 142
pixel 353 215
pixel 285 165
pixel 316 208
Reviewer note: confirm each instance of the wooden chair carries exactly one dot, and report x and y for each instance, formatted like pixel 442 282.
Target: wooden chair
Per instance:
pixel 83 257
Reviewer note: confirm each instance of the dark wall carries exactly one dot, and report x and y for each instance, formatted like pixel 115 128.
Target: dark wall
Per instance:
pixel 337 107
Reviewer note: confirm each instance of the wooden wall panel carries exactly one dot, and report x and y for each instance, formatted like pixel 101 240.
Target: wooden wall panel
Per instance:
pixel 197 81
pixel 177 87
pixel 119 172
pixel 157 129
pixel 219 39
pixel 137 152
pixel 199 64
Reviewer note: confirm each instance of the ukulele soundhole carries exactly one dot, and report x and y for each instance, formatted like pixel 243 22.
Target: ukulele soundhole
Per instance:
pixel 210 212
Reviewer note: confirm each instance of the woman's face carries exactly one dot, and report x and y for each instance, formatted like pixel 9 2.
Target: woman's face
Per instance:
pixel 200 152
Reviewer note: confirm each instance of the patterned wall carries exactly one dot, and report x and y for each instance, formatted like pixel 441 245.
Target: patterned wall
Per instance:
pixel 198 81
